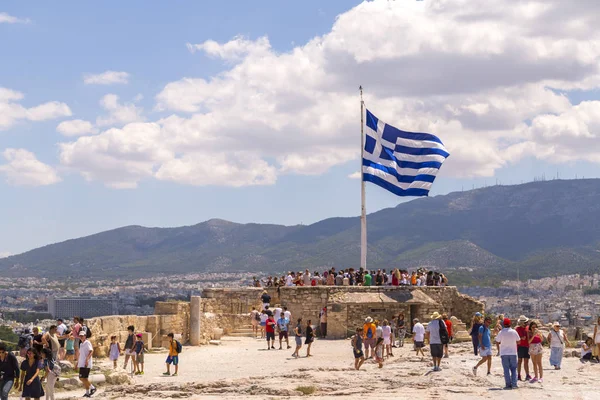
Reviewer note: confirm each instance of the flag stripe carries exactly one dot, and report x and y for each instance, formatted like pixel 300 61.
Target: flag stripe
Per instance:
pixel 392 180
pixel 403 166
pixel 393 188
pixel 425 174
pixel 420 152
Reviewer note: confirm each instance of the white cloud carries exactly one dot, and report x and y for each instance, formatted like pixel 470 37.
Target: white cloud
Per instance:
pixel 11 111
pixel 24 169
pixel 75 127
pixel 474 76
pixel 355 175
pixel 4 254
pixel 9 19
pixel 118 114
pixel 107 78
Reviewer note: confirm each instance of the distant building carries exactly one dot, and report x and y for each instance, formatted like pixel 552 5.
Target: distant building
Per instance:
pixel 85 307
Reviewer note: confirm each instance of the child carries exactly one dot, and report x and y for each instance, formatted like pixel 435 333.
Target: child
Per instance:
pixel 70 347
pixel 379 352
pixel 115 351
pixel 173 357
pixel 586 350
pixel 139 354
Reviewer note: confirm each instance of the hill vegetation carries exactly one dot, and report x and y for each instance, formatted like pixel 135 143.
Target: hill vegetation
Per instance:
pixel 476 237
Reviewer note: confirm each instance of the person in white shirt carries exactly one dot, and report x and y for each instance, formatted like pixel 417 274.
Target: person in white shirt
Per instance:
pixel 419 336
pixel 85 363
pixel 277 312
pixel 61 328
pixel 508 339
pixel 307 278
pixel 557 340
pixel 289 281
pixel 287 314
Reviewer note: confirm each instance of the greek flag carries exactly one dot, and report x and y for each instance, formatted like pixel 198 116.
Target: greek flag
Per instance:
pixel 405 163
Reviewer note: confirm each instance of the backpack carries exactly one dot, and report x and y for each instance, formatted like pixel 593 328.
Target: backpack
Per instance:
pixel 24 340
pixel 444 338
pixel 178 346
pixel 257 316
pixel 369 333
pixel 87 330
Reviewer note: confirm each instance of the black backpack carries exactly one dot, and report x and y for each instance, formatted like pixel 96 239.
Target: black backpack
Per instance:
pixel 444 337
pixel 24 340
pixel 87 330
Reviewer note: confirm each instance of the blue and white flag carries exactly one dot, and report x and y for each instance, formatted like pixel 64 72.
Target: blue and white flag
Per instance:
pixel 405 163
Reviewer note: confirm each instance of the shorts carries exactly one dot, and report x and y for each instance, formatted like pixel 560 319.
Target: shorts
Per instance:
pixel 419 345
pixel 485 353
pixel 76 343
pixel 270 336
pixel 62 342
pixel 130 352
pixel 298 340
pixel 84 373
pixel 70 352
pixel 523 352
pixel 358 353
pixel 387 340
pixel 369 343
pixel 536 349
pixel 172 360
pixel 283 335
pixel 263 323
pixel 139 358
pixel 437 350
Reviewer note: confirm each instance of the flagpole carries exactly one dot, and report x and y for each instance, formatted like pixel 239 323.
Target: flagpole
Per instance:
pixel 363 209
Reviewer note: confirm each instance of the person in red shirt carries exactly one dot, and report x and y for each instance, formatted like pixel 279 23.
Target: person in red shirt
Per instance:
pixel 523 346
pixel 270 329
pixel 449 329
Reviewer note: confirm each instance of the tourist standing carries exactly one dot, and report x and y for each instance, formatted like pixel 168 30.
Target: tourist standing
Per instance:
pixel 173 357
pixel 400 329
pixel 536 352
pixel 266 299
pixel 449 330
pixel 277 312
pixel 596 350
pixel 434 336
pixel 283 327
pixel 474 332
pixel 298 338
pixel 508 339
pixel 557 339
pixel 485 346
pixel 387 338
pixel 367 281
pixel 129 343
pixel 52 341
pixel 287 314
pixel 323 321
pixel 307 278
pixel 38 340
pixel 359 356
pixel 254 320
pixel 369 332
pixel 418 336
pixel 25 342
pixel 76 341
pixel 310 337
pixel 379 352
pixel 49 376
pixel 86 363
pixel 31 384
pixel 270 330
pixel 61 330
pixel 114 351
pixel 139 354
pixel 523 348
pixel 9 372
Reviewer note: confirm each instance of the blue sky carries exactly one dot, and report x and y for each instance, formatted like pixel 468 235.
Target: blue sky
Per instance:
pixel 252 108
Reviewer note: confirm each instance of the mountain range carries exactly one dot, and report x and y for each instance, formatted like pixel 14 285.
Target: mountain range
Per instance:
pixel 476 237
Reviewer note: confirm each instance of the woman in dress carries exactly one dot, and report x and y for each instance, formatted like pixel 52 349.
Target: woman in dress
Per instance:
pixel 387 338
pixel 400 329
pixel 557 340
pixel 536 352
pixel 310 337
pixel 31 386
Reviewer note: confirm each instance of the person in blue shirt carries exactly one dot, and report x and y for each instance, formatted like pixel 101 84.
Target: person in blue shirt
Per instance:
pixel 485 346
pixel 283 327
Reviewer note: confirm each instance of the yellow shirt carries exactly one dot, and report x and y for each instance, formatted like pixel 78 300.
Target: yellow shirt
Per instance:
pixel 173 348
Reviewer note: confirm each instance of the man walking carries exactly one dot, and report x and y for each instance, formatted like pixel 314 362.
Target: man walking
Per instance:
pixel 485 346
pixel 129 342
pixel 419 337
pixel 283 326
pixel 523 347
pixel 270 329
pixel 508 339
pixel 434 327
pixel 85 364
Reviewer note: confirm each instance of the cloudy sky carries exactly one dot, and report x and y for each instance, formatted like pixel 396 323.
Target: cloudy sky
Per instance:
pixel 163 114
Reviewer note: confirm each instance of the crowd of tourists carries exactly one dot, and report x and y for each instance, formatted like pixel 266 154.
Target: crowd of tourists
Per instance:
pixel 360 277
pixel 36 367
pixel 376 340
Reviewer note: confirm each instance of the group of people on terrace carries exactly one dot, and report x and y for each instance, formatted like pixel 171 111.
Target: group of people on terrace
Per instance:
pixel 352 277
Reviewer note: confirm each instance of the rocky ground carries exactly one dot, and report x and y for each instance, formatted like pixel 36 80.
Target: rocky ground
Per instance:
pixel 242 367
